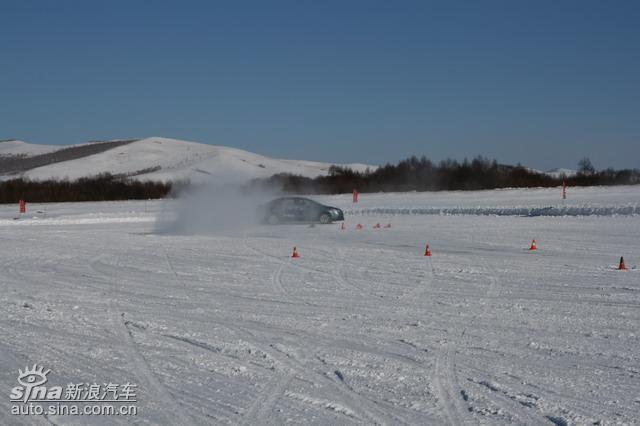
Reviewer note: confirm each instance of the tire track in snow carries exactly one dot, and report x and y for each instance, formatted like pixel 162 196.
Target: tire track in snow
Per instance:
pixel 444 374
pixel 276 279
pixel 264 404
pixel 430 277
pixel 340 275
pixel 507 401
pixel 495 286
pixel 170 408
pixel 174 272
pixel 266 400
pixel 493 290
pixel 447 389
pixel 516 409
pixel 337 273
pixel 261 409
pixel 366 409
pixel 372 413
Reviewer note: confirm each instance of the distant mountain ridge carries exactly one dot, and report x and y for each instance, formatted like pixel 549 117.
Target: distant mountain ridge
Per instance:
pixel 158 158
pixel 153 158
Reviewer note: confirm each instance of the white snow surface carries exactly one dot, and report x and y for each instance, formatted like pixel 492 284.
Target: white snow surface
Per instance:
pixel 21 148
pixel 164 159
pixel 556 173
pixel 361 329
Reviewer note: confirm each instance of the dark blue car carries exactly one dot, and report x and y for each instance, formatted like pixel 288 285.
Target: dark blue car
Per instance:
pixel 299 210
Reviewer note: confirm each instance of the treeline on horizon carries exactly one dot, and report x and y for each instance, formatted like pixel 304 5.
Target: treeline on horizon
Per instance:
pixel 421 174
pixel 412 174
pixel 104 187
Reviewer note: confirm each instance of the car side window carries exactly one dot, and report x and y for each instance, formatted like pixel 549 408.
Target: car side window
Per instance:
pixel 287 205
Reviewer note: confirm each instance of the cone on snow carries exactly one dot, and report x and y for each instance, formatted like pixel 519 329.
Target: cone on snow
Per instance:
pixel 295 252
pixel 359 226
pixel 534 246
pixel 427 251
pixel 622 267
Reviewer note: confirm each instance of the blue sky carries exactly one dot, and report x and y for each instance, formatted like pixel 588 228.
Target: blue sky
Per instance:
pixel 539 82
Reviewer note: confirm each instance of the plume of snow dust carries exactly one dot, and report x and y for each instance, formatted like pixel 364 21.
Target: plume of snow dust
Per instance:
pixel 212 209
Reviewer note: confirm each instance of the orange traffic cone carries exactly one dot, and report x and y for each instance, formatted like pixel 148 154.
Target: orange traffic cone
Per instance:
pixel 359 226
pixel 622 267
pixel 534 246
pixel 427 251
pixel 295 252
pixel 377 226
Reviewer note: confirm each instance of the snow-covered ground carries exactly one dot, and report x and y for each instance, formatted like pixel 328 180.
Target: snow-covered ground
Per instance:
pixel 361 329
pixel 580 201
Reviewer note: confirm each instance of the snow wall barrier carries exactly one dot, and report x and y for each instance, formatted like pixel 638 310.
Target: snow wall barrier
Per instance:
pixel 628 210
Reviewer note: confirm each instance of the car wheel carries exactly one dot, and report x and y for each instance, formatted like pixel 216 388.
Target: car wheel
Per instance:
pixel 273 220
pixel 325 218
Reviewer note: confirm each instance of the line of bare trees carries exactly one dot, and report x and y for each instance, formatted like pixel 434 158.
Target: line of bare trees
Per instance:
pixel 412 174
pixel 103 187
pixel 421 174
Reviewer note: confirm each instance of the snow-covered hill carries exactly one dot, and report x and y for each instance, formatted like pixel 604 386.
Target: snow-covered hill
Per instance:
pixel 20 148
pixel 165 159
pixel 158 158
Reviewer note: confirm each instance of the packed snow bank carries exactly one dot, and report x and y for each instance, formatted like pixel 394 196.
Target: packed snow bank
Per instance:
pixel 587 201
pixel 505 211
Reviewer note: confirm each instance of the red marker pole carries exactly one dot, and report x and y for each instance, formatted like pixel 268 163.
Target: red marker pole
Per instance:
pixel 23 206
pixel 355 196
